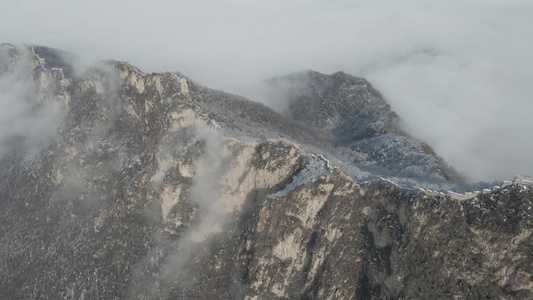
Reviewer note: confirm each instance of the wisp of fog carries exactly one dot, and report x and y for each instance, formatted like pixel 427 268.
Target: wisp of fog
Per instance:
pixel 28 119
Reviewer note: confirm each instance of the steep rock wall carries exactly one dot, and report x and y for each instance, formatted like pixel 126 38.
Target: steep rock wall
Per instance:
pixel 139 196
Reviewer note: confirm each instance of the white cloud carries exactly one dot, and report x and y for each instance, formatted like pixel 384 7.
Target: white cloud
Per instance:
pixel 457 72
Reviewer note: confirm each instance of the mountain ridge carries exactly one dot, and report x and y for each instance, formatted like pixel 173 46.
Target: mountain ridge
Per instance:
pixel 145 191
pixel 364 130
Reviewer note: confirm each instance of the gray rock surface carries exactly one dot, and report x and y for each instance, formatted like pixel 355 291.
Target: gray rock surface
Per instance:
pixel 154 187
pixel 362 127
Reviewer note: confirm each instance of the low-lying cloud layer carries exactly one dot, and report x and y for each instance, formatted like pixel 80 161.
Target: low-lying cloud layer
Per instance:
pixel 457 72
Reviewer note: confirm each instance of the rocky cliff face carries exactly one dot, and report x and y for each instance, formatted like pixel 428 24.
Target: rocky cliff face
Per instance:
pixel 153 187
pixel 363 128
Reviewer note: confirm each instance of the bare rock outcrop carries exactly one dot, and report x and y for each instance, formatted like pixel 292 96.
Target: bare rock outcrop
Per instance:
pixel 153 187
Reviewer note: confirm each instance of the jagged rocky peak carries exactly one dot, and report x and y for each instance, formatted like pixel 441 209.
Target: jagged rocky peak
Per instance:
pixel 21 64
pixel 362 128
pixel 56 59
pixel 328 101
pixel 154 187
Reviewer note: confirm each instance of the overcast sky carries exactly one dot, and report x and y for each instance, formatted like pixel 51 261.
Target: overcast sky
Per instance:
pixel 459 73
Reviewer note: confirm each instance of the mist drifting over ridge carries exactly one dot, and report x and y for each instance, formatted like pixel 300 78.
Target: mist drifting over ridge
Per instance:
pixel 457 72
pixel 155 186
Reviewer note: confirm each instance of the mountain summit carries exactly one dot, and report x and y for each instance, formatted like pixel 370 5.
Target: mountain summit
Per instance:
pixel 117 184
pixel 362 128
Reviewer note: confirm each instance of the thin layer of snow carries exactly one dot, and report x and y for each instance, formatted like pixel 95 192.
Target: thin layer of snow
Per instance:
pixel 316 168
pixel 390 181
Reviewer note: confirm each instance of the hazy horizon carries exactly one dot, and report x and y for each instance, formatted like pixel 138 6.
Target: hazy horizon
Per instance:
pixel 457 72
